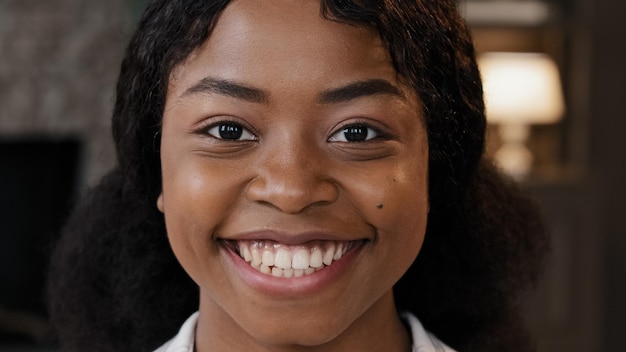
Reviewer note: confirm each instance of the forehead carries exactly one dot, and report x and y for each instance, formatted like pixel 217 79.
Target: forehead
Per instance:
pixel 299 23
pixel 261 39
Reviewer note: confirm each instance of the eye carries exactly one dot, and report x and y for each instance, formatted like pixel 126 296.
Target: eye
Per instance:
pixel 354 133
pixel 230 131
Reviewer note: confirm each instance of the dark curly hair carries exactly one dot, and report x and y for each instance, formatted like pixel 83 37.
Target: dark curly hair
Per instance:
pixel 115 284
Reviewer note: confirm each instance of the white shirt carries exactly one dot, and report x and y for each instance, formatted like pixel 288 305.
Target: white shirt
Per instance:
pixel 423 341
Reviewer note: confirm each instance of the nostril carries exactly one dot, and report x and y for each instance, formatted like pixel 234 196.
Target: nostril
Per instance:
pixel 291 195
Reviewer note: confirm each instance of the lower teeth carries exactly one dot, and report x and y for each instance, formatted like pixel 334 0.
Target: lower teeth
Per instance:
pixel 286 273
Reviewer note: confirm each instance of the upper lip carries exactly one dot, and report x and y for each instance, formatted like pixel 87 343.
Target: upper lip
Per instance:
pixel 290 238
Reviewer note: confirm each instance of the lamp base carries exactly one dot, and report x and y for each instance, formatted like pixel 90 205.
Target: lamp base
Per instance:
pixel 513 156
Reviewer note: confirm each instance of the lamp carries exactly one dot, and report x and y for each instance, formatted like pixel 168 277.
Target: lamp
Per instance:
pixel 520 89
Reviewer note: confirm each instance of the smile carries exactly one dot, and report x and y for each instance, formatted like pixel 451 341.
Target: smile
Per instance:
pixel 281 260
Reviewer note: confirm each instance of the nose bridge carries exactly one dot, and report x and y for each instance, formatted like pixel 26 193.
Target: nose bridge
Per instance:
pixel 292 175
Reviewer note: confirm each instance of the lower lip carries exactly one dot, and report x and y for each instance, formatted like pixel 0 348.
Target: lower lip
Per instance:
pixel 295 287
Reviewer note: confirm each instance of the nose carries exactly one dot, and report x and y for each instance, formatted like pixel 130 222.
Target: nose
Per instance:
pixel 292 179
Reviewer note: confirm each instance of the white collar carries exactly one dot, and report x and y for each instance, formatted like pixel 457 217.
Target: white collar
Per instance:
pixel 423 341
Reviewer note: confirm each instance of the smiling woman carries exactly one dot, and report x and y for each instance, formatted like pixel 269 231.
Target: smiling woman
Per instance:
pixel 299 180
pixel 319 178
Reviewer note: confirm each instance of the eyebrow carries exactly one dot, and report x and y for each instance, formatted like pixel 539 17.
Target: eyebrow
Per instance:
pixel 228 88
pixel 359 89
pixel 341 94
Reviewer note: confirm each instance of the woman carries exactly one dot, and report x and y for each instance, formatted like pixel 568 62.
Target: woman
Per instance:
pixel 317 170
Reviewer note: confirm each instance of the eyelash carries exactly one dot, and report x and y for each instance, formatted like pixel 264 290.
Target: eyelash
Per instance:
pixel 212 130
pixel 371 133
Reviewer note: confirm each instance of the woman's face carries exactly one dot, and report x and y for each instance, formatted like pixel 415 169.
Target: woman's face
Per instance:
pixel 294 165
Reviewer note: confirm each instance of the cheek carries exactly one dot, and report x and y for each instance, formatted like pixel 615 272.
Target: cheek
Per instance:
pixel 402 226
pixel 404 213
pixel 394 195
pixel 396 205
pixel 195 198
pixel 185 198
pixel 196 191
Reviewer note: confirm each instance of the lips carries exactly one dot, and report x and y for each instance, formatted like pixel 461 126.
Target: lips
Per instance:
pixel 282 260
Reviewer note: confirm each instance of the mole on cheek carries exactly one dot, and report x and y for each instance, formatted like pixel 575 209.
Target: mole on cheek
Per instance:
pixel 379 206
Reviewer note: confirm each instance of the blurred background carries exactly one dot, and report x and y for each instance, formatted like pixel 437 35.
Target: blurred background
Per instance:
pixel 566 142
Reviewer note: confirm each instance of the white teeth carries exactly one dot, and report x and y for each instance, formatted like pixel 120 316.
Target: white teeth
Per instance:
pixel 288 272
pixel 268 257
pixel 328 255
pixel 256 257
pixel 265 269
pixel 280 260
pixel 277 272
pixel 315 260
pixel 338 253
pixel 247 256
pixel 300 259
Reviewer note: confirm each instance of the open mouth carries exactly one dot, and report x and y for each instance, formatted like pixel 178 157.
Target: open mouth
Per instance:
pixel 280 260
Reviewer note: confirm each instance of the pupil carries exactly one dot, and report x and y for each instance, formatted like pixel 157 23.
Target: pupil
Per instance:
pixel 230 131
pixel 355 133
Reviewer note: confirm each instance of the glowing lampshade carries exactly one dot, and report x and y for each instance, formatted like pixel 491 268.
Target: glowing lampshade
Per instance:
pixel 521 87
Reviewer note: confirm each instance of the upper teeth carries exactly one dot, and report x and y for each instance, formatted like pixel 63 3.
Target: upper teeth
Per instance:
pixel 290 261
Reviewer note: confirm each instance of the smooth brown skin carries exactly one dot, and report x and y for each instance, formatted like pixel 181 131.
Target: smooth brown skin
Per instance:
pixel 294 174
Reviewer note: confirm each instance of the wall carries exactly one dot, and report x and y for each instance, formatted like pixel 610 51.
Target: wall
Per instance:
pixel 579 306
pixel 608 163
pixel 58 64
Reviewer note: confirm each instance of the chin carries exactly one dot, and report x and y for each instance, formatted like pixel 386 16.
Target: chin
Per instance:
pixel 295 326
pixel 306 335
